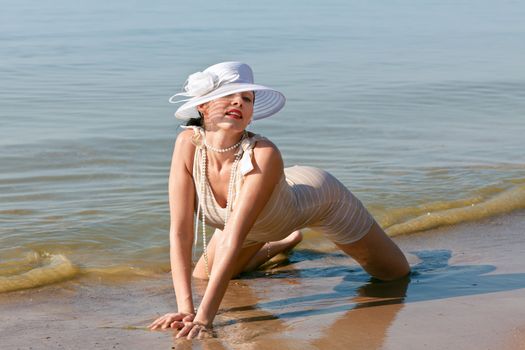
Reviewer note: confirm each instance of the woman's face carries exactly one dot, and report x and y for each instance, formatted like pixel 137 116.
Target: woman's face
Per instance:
pixel 231 112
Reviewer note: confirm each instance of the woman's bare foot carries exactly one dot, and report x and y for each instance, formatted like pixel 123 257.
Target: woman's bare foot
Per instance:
pixel 271 249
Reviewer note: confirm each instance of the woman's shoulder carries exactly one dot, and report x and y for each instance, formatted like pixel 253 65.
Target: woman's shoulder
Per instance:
pixel 261 141
pixel 186 138
pixel 185 134
pixel 184 149
pixel 190 130
pixel 266 151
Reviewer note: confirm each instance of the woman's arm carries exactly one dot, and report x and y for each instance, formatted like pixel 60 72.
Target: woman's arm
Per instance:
pixel 255 193
pixel 182 202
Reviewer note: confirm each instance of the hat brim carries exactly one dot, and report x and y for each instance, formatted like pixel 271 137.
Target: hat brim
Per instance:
pixel 267 101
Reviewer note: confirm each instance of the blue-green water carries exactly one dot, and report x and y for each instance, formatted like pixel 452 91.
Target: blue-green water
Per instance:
pixel 419 107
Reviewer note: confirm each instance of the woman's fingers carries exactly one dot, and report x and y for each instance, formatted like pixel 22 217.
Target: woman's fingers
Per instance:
pixel 185 330
pixel 188 318
pixel 160 323
pixel 194 332
pixel 177 324
pixel 170 320
pixel 155 324
pixel 166 324
pixel 182 322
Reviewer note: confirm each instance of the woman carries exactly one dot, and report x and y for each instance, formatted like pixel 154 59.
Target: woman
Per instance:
pixel 236 182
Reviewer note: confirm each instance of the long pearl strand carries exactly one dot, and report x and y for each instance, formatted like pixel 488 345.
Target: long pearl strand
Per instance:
pixel 231 184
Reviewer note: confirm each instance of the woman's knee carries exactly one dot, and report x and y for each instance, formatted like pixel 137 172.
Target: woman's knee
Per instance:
pixel 378 255
pixel 199 271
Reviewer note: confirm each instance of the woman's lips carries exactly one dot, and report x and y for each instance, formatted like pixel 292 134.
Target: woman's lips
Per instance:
pixel 235 113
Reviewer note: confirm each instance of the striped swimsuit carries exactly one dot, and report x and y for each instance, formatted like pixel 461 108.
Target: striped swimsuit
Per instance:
pixel 304 197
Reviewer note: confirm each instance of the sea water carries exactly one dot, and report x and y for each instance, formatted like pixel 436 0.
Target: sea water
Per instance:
pixel 417 106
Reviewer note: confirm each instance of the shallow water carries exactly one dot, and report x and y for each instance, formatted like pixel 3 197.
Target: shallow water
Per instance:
pixel 419 108
pixel 464 292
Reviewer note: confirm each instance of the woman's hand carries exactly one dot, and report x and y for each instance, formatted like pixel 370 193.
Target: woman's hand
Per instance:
pixel 176 320
pixel 195 329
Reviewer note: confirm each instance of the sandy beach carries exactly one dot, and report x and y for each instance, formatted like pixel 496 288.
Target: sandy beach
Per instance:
pixel 466 292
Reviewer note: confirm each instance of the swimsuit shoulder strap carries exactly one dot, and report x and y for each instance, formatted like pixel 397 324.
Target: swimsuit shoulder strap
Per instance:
pixel 246 149
pixel 198 135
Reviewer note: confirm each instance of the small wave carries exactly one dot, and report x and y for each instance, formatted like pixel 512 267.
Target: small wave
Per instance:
pixel 17 212
pixel 91 212
pixel 36 269
pixel 439 214
pixel 49 269
pixel 116 273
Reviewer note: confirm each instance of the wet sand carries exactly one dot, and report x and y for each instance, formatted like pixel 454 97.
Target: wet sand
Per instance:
pixel 467 291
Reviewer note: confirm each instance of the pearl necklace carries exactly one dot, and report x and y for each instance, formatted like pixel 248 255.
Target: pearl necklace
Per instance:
pixel 222 150
pixel 203 181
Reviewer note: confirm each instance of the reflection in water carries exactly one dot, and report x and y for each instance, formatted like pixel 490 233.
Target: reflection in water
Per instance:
pixel 362 308
pixel 365 326
pixel 207 344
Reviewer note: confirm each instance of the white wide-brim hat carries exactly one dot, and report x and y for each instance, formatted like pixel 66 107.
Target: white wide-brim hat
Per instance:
pixel 221 80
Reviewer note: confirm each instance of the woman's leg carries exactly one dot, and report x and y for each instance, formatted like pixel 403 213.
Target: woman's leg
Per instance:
pixel 245 255
pixel 271 249
pixel 378 255
pixel 250 257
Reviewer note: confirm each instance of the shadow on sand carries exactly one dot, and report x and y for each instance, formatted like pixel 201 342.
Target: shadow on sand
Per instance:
pixel 364 308
pixel 431 279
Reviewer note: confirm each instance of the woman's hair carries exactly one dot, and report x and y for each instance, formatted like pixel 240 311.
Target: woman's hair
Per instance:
pixel 196 121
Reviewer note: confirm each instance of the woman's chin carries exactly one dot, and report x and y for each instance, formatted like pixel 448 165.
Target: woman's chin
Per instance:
pixel 232 125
